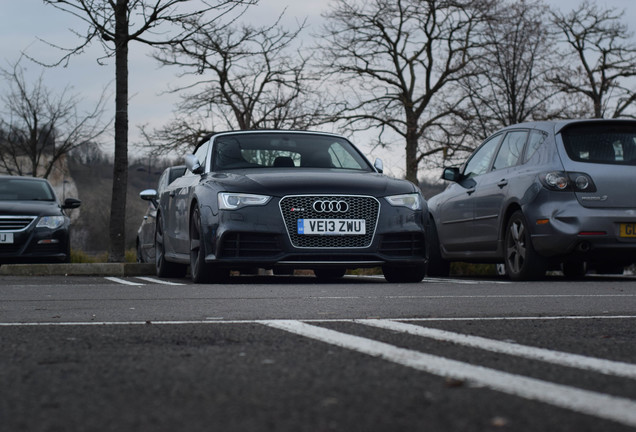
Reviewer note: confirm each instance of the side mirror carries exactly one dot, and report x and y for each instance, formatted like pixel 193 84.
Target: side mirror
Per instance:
pixel 378 165
pixel 71 203
pixel 149 195
pixel 451 174
pixel 192 164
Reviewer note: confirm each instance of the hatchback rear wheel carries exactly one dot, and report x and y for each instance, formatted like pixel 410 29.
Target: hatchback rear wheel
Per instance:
pixel 522 261
pixel 574 269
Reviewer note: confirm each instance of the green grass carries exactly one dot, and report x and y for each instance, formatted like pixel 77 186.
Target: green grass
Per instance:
pixel 79 256
pixel 469 269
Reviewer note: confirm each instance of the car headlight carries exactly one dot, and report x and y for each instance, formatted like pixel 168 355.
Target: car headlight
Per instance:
pixel 51 222
pixel 233 201
pixel 412 201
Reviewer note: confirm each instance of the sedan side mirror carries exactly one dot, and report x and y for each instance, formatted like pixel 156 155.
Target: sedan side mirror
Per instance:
pixel 71 203
pixel 378 165
pixel 149 195
pixel 192 164
pixel 451 174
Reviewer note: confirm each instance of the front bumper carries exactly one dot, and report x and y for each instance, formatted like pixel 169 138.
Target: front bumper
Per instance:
pixel 259 237
pixel 37 245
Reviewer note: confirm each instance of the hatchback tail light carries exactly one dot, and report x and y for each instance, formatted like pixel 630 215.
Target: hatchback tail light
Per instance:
pixel 567 181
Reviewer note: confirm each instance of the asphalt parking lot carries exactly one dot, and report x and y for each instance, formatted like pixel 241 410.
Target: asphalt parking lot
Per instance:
pixel 128 352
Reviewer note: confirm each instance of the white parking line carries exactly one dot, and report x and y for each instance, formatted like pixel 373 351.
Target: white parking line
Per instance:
pixel 465 281
pixel 143 278
pixel 519 318
pixel 600 405
pixel 158 281
pixel 606 367
pixel 214 320
pixel 472 296
pixel 122 281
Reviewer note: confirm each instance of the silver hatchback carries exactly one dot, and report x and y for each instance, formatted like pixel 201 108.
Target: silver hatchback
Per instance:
pixel 541 196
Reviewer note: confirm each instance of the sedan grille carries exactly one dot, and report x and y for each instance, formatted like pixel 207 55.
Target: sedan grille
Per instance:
pixel 15 223
pixel 342 207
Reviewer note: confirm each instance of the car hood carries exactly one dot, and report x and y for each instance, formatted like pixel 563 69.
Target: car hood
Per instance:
pixel 29 208
pixel 281 182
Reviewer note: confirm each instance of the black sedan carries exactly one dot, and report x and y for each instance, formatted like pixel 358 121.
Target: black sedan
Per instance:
pixel 33 224
pixel 286 200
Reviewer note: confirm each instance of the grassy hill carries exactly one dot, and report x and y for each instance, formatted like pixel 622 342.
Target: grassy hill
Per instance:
pixel 94 187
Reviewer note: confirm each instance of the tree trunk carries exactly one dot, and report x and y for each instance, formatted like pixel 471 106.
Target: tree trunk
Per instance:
pixel 411 160
pixel 117 246
pixel 598 106
pixel 411 146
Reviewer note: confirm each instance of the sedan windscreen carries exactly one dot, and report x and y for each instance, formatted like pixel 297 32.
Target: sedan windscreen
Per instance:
pixel 604 144
pixel 20 189
pixel 285 151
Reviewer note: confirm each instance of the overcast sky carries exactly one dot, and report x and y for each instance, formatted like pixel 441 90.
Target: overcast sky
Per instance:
pixel 24 22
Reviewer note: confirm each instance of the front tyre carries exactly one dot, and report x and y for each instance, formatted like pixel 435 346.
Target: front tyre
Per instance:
pixel 404 274
pixel 200 271
pixel 436 266
pixel 522 261
pixel 329 273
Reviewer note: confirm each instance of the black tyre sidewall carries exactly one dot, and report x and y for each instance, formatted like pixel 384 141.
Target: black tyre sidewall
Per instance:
pixel 533 266
pixel 436 265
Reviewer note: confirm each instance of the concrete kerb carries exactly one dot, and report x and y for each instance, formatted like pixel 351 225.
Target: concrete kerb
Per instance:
pixel 91 269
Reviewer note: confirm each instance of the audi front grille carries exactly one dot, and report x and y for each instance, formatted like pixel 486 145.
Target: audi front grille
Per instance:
pixel 325 207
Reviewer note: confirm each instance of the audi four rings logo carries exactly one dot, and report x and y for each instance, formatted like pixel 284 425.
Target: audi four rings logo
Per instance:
pixel 331 206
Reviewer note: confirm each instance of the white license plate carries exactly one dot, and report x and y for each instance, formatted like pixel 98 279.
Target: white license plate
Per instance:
pixel 332 226
pixel 6 238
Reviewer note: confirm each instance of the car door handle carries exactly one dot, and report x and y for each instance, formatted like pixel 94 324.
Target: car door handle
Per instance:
pixel 502 183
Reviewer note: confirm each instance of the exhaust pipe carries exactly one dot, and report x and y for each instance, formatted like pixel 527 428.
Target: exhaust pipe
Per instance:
pixel 584 247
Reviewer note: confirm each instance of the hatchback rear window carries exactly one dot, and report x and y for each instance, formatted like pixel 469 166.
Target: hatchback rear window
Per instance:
pixel 605 144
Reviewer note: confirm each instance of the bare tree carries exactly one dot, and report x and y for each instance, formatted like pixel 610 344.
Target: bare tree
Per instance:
pixel 245 77
pixel 181 135
pixel 511 81
pixel 398 63
pixel 602 57
pixel 116 23
pixel 39 126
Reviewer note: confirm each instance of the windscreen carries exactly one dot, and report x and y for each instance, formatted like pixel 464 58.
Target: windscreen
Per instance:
pixel 285 150
pixel 601 143
pixel 17 189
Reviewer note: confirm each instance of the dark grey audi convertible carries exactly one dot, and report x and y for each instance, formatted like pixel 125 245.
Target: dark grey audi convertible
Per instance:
pixel 285 200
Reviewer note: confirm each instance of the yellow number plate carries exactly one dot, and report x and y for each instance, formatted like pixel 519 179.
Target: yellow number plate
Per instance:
pixel 628 230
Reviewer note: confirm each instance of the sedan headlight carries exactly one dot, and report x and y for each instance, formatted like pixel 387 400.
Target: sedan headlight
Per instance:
pixel 233 201
pixel 412 201
pixel 51 222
